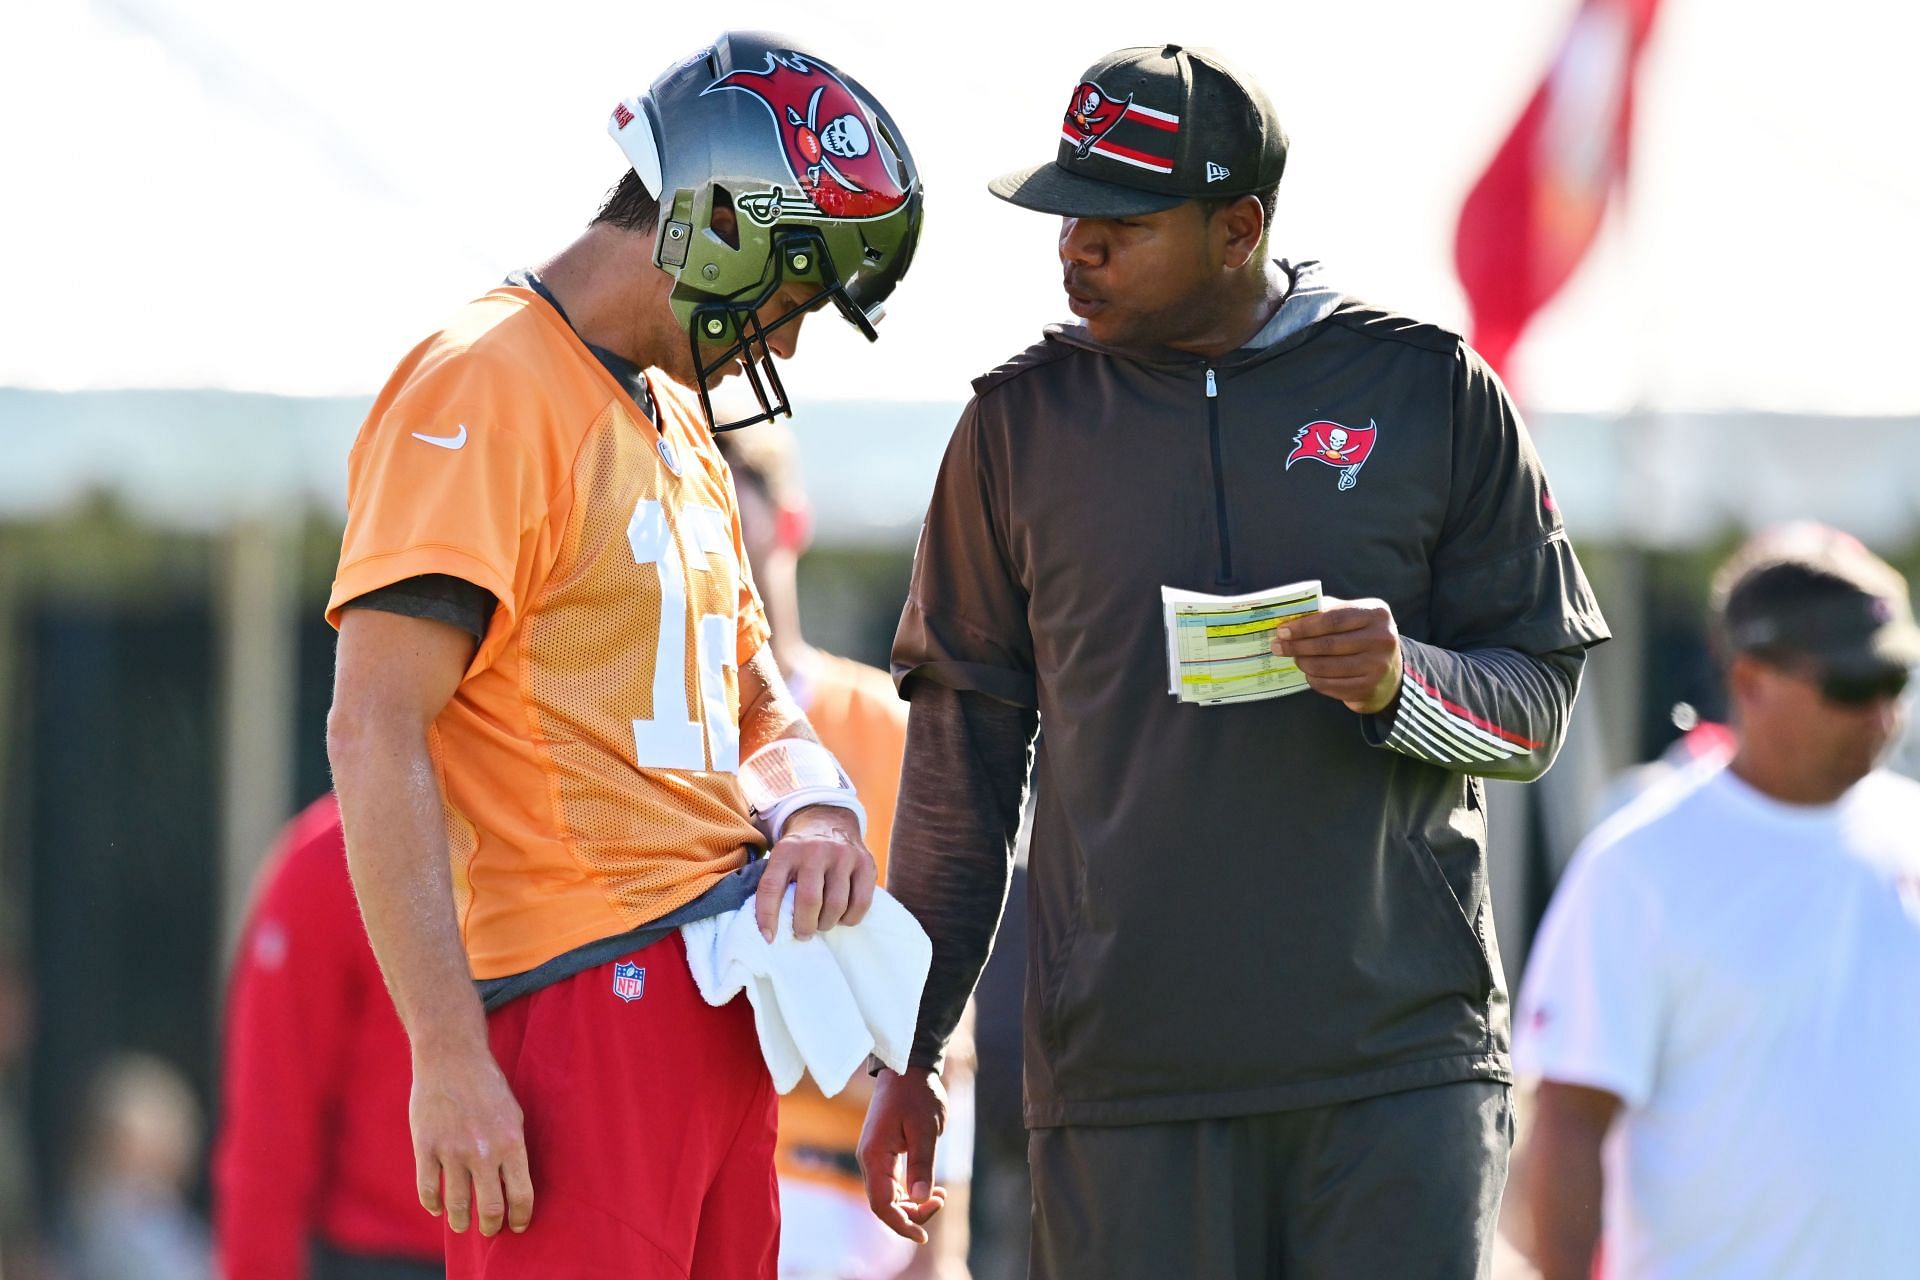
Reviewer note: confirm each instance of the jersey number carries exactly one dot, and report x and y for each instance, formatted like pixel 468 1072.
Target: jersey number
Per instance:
pixel 667 741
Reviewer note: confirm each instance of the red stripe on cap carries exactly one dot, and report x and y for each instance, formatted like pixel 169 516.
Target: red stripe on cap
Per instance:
pixel 1155 121
pixel 1458 710
pixel 1138 157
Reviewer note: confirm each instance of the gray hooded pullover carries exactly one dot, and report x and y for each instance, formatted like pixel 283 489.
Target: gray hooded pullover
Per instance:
pixel 1241 908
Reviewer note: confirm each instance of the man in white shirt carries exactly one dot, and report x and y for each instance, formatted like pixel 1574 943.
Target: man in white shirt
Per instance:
pixel 1723 1006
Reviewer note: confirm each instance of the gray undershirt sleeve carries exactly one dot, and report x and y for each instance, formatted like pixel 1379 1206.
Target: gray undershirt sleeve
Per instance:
pixel 962 786
pixel 436 596
pixel 1492 713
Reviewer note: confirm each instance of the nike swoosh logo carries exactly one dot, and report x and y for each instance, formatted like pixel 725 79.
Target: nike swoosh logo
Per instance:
pixel 453 441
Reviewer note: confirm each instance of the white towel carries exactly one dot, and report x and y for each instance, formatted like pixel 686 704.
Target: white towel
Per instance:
pixel 824 1004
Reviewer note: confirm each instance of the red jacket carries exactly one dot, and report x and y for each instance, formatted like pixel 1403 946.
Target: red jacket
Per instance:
pixel 314 1142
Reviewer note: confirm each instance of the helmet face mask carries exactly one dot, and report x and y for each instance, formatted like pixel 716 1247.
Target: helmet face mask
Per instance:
pixel 736 322
pixel 822 193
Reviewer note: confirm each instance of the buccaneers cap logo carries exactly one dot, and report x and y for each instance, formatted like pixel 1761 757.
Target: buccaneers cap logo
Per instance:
pixel 1329 443
pixel 832 139
pixel 1094 114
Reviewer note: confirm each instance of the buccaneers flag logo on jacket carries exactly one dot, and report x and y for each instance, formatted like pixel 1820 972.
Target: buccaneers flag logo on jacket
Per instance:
pixel 1345 448
pixel 831 137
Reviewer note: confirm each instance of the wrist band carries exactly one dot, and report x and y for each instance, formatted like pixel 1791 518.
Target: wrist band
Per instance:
pixel 789 774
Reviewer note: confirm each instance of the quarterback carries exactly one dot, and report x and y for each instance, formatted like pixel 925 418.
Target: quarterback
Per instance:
pixel 556 734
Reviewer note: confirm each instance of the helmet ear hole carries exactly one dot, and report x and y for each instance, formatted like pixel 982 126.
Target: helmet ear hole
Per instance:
pixel 727 228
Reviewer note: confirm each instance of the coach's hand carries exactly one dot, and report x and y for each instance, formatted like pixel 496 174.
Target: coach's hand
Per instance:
pixel 822 855
pixel 469 1148
pixel 905 1119
pixel 1349 651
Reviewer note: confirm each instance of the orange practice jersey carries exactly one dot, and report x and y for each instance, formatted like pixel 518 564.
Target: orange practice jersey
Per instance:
pixel 857 715
pixel 589 756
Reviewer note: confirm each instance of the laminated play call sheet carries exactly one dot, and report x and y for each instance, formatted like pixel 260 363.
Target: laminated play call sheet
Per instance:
pixel 1218 646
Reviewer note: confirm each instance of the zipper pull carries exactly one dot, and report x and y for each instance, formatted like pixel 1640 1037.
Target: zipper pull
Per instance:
pixel 1212 390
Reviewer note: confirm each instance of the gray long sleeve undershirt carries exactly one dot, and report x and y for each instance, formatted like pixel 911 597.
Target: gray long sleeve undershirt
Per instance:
pixel 1489 712
pixel 961 791
pixel 1493 713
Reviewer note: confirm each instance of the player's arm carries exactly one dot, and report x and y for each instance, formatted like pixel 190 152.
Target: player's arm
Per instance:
pixel 1495 713
pixel 818 847
pixel 961 790
pixel 1563 1179
pixel 394 675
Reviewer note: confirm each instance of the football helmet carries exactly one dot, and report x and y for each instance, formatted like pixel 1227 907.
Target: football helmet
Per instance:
pixel 820 182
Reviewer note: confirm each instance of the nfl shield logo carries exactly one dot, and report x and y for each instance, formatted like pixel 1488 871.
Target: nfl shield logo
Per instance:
pixel 629 981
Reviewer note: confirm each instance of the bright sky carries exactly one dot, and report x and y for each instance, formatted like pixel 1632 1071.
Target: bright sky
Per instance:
pixel 285 198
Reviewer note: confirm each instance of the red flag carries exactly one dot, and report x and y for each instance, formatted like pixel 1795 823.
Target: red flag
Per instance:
pixel 1535 211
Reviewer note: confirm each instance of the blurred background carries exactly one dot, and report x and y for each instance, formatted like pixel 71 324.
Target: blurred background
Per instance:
pixel 1687 241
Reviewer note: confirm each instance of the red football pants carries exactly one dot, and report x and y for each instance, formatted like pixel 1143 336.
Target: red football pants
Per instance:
pixel 650 1130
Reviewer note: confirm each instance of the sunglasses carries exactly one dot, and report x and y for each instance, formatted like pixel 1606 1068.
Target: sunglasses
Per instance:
pixel 1862 690
pixel 1850 689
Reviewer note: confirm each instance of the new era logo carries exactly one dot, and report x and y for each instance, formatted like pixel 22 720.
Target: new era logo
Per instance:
pixel 621 115
pixel 1216 172
pixel 629 982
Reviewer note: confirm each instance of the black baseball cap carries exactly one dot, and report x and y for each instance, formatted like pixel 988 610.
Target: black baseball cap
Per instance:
pixel 1831 604
pixel 1151 128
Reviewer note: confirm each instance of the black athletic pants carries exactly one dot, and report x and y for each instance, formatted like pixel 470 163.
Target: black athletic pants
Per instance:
pixel 1400 1187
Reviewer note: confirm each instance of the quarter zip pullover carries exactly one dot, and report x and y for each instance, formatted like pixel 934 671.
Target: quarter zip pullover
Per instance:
pixel 1245 908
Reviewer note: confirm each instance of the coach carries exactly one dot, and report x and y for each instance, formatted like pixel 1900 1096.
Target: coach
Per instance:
pixel 1266 1026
